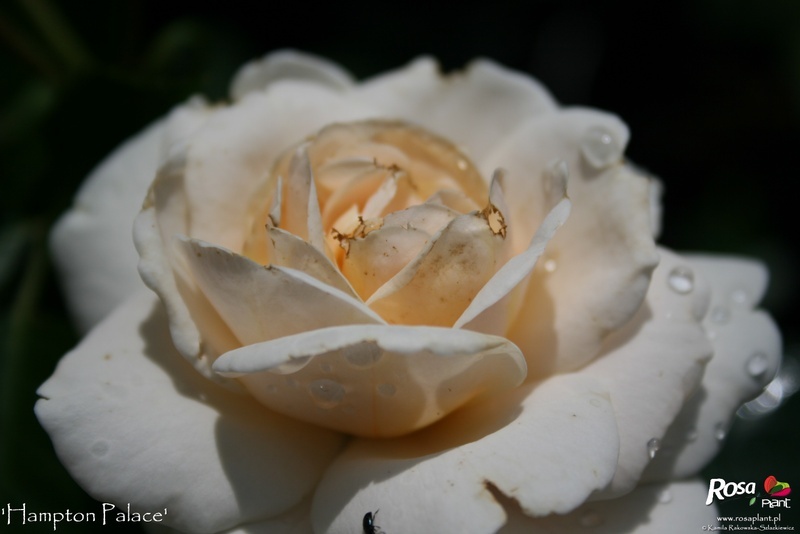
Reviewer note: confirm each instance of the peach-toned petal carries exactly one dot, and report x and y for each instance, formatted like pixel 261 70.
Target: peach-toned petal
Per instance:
pixel 259 303
pixel 440 283
pixel 374 380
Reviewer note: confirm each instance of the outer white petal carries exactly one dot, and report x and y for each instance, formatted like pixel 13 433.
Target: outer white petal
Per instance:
pixel 652 509
pixel 375 380
pixel 257 75
pixel 547 446
pixel 133 424
pixel 602 257
pixel 747 354
pixel 474 109
pixel 92 243
pixel 652 365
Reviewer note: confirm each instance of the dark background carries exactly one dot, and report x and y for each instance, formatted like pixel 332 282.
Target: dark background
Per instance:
pixel 709 88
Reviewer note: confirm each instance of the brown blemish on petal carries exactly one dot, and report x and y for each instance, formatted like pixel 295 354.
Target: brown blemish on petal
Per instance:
pixel 495 219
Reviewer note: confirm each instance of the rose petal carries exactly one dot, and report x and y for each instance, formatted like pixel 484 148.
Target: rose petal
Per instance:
pixel 652 365
pixel 372 260
pixel 474 109
pixel 241 143
pixel 375 380
pixel 134 424
pixel 747 354
pixel 288 250
pixel 259 74
pixel 530 444
pixel 301 213
pixel 486 312
pixel 260 303
pixel 295 521
pixel 449 272
pixel 601 259
pixel 674 507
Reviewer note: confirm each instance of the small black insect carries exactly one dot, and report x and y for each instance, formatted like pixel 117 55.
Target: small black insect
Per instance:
pixel 369 523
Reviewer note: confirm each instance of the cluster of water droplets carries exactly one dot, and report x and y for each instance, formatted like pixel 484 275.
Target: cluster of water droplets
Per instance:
pixel 328 393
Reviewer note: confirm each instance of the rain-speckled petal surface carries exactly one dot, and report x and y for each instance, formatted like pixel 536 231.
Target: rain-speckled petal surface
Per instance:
pixel 374 380
pixel 653 364
pixel 133 423
pixel 747 354
pixel 601 259
pixel 548 446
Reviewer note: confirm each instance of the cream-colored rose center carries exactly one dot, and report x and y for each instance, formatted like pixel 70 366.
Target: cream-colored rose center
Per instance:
pixel 388 176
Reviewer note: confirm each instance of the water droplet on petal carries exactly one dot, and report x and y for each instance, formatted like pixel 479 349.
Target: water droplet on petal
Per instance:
pixel 664 496
pixel 681 280
pixel 720 431
pixel 652 447
pixel 739 296
pixel 387 390
pixel 757 365
pixel 720 314
pixel 591 519
pixel 326 393
pixel 364 355
pixel 326 367
pixel 600 148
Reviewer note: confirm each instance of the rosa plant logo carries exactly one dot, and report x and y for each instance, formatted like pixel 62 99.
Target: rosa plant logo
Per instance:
pixel 775 488
pixel 777 492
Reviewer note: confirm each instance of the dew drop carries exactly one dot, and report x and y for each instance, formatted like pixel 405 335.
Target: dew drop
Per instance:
pixel 739 296
pixel 364 355
pixel 591 519
pixel 600 148
pixel 326 393
pixel 326 367
pixel 387 390
pixel 681 280
pixel 720 314
pixel 664 496
pixel 550 266
pixel 720 431
pixel 652 447
pixel 757 365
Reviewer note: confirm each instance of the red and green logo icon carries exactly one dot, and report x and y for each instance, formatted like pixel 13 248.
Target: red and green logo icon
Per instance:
pixel 775 488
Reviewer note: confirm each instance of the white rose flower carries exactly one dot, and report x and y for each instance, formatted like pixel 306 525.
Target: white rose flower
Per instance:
pixel 434 296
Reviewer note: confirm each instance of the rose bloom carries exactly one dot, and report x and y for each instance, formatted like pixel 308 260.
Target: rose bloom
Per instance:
pixel 434 296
